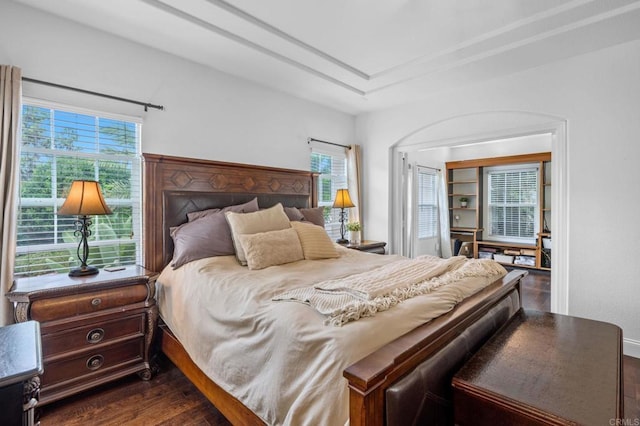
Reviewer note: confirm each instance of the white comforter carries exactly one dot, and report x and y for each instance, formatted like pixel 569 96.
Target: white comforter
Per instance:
pixel 279 359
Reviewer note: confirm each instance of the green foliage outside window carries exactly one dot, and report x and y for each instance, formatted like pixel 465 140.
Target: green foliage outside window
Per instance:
pixel 59 147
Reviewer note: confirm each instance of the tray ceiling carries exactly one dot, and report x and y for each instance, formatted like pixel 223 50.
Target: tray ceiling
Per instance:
pixel 362 55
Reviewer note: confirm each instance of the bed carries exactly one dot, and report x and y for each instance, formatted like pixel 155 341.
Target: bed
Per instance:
pixel 404 380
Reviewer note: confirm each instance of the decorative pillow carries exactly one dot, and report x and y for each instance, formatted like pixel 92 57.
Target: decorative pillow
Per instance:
pixel 314 215
pixel 249 206
pixel 315 241
pixel 266 249
pixel 271 219
pixel 293 213
pixel 206 237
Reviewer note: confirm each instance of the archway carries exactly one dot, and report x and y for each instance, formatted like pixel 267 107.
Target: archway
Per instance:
pixel 477 128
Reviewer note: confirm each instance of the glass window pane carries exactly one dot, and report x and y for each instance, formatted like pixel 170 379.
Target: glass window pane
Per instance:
pixel 512 201
pixel 59 147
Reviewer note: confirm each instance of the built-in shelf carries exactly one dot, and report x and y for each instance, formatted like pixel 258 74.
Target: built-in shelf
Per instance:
pixel 506 244
pixel 465 179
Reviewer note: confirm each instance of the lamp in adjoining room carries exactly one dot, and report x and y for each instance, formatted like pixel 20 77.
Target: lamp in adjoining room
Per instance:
pixel 342 201
pixel 84 199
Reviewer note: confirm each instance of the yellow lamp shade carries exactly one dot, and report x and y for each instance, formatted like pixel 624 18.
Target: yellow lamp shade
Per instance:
pixel 84 199
pixel 343 199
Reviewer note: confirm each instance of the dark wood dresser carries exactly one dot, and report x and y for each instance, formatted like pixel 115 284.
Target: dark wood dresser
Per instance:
pixel 543 369
pixel 94 329
pixel 20 365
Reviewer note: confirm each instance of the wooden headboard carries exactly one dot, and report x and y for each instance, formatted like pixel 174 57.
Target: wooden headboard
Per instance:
pixel 175 186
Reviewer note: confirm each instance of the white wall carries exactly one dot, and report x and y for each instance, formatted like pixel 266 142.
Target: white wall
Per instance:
pixel 599 96
pixel 208 114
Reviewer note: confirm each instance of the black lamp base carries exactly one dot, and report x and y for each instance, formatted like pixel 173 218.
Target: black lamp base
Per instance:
pixel 342 241
pixel 83 271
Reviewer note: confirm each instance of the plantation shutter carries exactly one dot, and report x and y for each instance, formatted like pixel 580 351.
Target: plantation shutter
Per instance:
pixel 61 144
pixel 512 203
pixel 427 203
pixel 331 164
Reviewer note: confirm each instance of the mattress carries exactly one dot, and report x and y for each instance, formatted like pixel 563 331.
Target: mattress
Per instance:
pixel 279 358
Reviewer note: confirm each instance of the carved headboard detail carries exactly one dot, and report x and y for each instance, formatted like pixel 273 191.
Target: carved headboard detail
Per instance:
pixel 168 183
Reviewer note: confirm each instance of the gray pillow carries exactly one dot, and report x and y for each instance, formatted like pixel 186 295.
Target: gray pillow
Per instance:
pixel 314 215
pixel 207 234
pixel 206 237
pixel 248 207
pixel 293 213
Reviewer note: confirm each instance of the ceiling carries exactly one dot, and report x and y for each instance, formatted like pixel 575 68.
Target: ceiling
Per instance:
pixel 363 55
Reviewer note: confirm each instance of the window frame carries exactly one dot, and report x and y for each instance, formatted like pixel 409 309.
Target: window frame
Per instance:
pixel 487 205
pixel 421 170
pixel 338 181
pixel 133 160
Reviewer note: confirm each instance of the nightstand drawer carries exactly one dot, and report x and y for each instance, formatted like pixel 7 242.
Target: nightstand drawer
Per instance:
pixel 92 362
pixel 92 334
pixel 78 304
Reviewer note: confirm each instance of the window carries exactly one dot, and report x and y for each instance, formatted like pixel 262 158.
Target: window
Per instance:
pixel 427 203
pixel 332 167
pixel 512 203
pixel 59 145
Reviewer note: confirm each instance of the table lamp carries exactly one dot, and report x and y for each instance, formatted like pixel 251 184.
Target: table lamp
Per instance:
pixel 84 199
pixel 342 201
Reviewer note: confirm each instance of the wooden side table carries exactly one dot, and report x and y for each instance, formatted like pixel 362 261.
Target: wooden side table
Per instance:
pixel 94 329
pixel 20 365
pixel 543 368
pixel 368 246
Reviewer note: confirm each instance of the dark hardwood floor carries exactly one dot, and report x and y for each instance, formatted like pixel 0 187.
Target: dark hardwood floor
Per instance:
pixel 170 399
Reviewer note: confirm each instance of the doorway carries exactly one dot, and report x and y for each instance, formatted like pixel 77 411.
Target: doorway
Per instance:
pixel 433 144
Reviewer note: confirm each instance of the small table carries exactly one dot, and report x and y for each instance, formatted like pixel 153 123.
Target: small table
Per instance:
pixel 543 368
pixel 21 355
pixel 368 246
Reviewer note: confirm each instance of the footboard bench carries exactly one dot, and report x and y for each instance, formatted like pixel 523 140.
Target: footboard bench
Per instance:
pixel 409 380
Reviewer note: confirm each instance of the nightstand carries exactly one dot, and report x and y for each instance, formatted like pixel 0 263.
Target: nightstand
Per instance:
pixel 368 246
pixel 21 355
pixel 95 329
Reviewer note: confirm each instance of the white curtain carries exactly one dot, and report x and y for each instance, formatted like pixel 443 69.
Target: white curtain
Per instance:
pixel 443 217
pixel 354 182
pixel 10 105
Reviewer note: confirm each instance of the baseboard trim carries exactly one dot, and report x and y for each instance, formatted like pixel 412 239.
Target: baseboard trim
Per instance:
pixel 631 347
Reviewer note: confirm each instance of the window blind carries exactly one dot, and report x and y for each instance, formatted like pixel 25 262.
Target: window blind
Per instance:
pixel 512 203
pixel 59 145
pixel 427 203
pixel 332 168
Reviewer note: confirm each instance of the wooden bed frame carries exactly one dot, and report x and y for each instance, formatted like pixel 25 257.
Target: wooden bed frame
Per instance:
pixel 174 186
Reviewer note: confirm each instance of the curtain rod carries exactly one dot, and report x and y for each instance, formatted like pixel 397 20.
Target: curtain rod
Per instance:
pixel 309 140
pixel 146 105
pixel 427 167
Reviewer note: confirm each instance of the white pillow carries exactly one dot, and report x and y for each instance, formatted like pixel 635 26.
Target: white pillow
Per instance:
pixel 315 241
pixel 266 249
pixel 271 219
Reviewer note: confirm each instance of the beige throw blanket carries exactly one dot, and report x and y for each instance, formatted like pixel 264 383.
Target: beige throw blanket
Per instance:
pixel 362 295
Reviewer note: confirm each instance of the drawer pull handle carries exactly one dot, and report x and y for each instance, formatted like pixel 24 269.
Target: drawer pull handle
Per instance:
pixel 95 335
pixel 96 302
pixel 95 362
